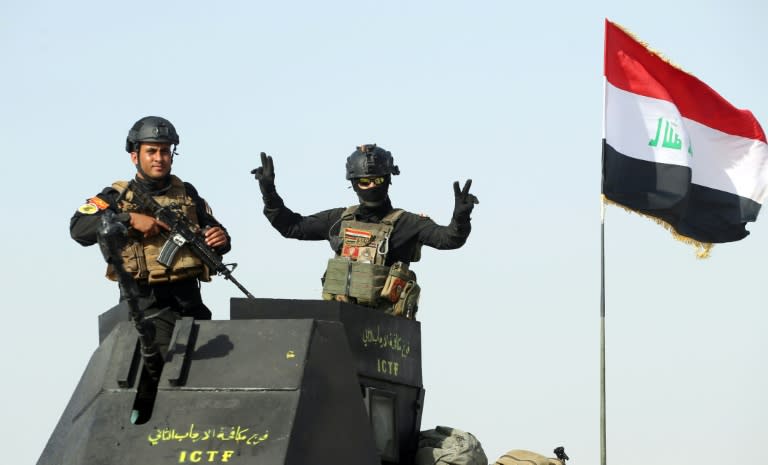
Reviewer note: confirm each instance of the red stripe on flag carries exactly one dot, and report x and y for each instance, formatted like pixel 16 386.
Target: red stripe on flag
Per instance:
pixel 632 67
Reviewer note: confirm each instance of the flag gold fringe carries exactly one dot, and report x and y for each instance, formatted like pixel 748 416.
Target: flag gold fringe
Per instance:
pixel 661 56
pixel 703 249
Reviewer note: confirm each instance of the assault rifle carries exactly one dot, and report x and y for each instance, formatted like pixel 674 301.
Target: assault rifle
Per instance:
pixel 113 236
pixel 183 233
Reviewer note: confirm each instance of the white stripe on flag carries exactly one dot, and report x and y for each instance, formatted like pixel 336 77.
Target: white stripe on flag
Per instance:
pixel 728 163
pixel 632 121
pixel 718 160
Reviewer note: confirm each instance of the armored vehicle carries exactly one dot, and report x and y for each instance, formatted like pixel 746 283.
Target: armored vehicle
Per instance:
pixel 281 382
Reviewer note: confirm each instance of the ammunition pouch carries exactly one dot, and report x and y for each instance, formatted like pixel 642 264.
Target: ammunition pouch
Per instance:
pixel 409 301
pixel 401 289
pixel 360 281
pixel 140 260
pixel 392 289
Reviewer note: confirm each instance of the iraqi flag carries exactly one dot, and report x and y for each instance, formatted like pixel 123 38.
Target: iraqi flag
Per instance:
pixel 675 150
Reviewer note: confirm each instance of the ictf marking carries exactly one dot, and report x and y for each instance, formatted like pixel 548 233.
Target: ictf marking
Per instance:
pixel 205 456
pixel 388 367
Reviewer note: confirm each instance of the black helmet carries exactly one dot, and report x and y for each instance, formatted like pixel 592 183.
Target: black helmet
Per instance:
pixel 151 129
pixel 369 160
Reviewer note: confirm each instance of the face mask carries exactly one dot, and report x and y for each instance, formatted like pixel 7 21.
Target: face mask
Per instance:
pixel 372 197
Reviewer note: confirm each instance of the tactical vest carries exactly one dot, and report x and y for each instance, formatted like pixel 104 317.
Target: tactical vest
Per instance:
pixel 140 254
pixel 358 272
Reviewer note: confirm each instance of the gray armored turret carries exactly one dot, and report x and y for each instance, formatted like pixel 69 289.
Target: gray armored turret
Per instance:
pixel 281 382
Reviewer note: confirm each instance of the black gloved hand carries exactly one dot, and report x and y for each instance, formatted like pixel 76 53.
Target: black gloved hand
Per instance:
pixel 465 202
pixel 265 174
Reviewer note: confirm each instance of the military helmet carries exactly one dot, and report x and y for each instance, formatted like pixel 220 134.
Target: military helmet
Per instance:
pixel 151 129
pixel 370 160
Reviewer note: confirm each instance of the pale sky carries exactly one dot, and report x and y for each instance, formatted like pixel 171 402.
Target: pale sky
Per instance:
pixel 506 93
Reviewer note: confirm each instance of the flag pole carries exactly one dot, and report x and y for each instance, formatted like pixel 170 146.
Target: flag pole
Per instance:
pixel 603 459
pixel 602 332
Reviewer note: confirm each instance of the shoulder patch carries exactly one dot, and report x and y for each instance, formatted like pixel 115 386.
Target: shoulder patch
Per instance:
pixel 88 209
pixel 99 203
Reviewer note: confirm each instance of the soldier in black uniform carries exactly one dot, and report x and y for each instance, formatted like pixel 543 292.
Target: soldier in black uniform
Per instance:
pixel 374 242
pixel 166 293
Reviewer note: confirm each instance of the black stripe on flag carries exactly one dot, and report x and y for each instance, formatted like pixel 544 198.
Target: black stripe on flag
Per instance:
pixel 665 192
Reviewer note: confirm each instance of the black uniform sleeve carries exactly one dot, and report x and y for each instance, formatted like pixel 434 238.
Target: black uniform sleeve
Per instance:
pixel 205 216
pixel 83 227
pixel 320 226
pixel 431 234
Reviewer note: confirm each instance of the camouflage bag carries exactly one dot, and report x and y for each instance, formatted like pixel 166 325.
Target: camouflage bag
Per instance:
pixel 526 457
pixel 449 446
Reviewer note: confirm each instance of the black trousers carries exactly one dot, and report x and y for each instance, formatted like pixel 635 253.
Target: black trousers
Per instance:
pixel 163 304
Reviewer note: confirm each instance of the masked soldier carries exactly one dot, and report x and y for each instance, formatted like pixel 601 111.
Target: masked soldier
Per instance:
pixel 374 243
pixel 167 293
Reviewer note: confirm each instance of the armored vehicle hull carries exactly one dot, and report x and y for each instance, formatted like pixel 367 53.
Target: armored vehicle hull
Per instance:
pixel 281 382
